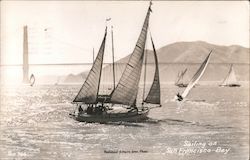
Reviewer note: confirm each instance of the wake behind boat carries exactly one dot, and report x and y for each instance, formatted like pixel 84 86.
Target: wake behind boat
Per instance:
pixel 93 107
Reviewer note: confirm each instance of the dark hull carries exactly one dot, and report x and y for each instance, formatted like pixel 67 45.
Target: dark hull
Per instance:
pixel 181 85
pixel 112 117
pixel 230 85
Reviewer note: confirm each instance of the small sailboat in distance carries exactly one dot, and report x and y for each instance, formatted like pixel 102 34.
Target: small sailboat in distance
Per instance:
pixel 121 104
pixel 230 80
pixel 194 79
pixel 32 80
pixel 180 79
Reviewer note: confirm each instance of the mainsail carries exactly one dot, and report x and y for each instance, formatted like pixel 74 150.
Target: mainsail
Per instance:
pixel 127 88
pixel 197 76
pixel 154 95
pixel 231 78
pixel 89 91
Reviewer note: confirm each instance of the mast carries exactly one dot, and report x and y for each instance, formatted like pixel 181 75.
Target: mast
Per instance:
pixel 25 55
pixel 113 57
pixel 127 88
pixel 145 72
pixel 100 74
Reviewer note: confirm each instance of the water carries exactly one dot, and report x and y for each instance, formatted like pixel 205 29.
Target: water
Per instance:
pixel 35 125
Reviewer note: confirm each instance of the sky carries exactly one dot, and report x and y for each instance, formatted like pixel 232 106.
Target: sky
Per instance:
pixel 67 31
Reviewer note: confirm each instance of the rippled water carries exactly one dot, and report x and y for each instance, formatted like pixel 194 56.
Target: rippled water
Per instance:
pixel 35 125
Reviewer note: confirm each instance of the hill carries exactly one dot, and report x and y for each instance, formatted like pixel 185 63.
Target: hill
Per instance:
pixel 181 55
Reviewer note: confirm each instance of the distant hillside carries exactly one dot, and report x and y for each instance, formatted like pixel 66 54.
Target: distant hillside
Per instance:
pixel 181 55
pixel 195 52
pixel 78 78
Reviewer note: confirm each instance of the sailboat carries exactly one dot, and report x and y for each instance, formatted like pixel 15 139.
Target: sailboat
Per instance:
pixel 121 104
pixel 230 80
pixel 32 80
pixel 180 79
pixel 194 79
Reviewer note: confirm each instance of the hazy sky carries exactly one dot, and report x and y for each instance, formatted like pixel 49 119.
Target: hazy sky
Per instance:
pixel 67 31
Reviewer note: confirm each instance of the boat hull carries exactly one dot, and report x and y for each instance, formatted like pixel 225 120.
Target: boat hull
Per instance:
pixel 230 85
pixel 112 117
pixel 181 85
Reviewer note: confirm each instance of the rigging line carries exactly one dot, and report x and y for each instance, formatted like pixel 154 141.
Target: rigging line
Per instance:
pixel 113 56
pixel 105 36
pixel 145 71
pixel 145 68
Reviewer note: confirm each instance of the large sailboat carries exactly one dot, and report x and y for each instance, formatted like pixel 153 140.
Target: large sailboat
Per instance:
pixel 122 103
pixel 194 79
pixel 180 79
pixel 230 80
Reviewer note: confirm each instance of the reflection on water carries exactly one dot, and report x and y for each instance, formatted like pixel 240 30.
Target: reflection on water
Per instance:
pixel 35 125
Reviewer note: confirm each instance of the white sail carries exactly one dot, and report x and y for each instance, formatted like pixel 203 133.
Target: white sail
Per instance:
pixel 230 78
pixel 196 76
pixel 89 91
pixel 127 87
pixel 32 80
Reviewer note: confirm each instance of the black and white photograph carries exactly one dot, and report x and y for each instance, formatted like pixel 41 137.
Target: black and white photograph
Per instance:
pixel 124 80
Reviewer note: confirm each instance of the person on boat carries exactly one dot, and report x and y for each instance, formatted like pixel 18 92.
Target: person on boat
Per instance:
pixel 179 97
pixel 80 110
pixel 90 109
pixel 104 110
pixel 99 109
pixel 96 110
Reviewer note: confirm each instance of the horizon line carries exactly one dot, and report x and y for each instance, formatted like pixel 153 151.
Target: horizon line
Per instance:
pixel 89 63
